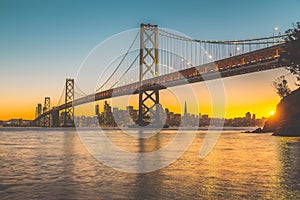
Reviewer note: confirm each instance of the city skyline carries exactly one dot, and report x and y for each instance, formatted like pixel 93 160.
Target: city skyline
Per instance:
pixel 42 44
pixel 110 116
pixel 115 117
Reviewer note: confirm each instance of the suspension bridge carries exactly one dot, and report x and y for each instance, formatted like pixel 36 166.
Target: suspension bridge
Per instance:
pixel 165 59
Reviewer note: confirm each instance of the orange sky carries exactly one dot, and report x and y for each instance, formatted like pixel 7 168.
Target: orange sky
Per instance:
pixel 251 92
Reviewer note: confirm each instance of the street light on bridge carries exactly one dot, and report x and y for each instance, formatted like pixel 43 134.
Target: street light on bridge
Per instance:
pixel 237 50
pixel 274 29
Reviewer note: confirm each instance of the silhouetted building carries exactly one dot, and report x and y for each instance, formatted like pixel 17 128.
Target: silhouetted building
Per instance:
pixel 185 109
pixel 248 116
pixel 97 110
pixel 38 110
pixel 107 115
pixel 204 120
pixel 168 116
pixel 177 119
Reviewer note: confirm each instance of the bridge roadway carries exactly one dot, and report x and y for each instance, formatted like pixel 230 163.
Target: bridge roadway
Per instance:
pixel 259 60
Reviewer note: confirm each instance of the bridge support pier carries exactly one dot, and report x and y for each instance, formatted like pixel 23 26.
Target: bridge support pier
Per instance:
pixel 149 106
pixel 68 115
pixel 46 120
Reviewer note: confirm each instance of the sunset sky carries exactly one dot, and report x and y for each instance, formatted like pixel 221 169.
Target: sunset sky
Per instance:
pixel 44 42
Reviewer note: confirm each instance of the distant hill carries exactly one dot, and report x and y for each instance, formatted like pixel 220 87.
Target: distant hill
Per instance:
pixel 286 121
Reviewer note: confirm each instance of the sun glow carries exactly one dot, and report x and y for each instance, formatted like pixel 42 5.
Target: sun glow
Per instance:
pixel 272 112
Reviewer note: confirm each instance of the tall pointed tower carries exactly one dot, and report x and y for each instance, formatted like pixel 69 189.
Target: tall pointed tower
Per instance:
pixel 185 109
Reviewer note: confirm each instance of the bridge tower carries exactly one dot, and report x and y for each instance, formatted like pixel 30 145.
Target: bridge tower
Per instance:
pixel 148 96
pixel 68 117
pixel 45 109
pixel 38 112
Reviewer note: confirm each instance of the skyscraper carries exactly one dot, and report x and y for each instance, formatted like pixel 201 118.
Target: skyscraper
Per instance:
pixel 97 110
pixel 248 116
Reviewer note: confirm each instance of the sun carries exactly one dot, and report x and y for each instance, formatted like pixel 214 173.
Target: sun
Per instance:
pixel 272 112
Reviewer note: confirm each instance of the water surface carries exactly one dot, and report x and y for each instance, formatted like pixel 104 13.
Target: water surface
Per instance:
pixel 39 163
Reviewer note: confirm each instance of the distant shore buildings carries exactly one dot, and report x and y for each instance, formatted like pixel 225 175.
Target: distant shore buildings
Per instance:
pixel 15 123
pixel 115 117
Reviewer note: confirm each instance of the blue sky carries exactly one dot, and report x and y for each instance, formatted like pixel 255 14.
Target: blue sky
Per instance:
pixel 44 41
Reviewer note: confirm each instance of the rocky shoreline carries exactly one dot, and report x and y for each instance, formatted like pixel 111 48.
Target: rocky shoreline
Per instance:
pixel 286 121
